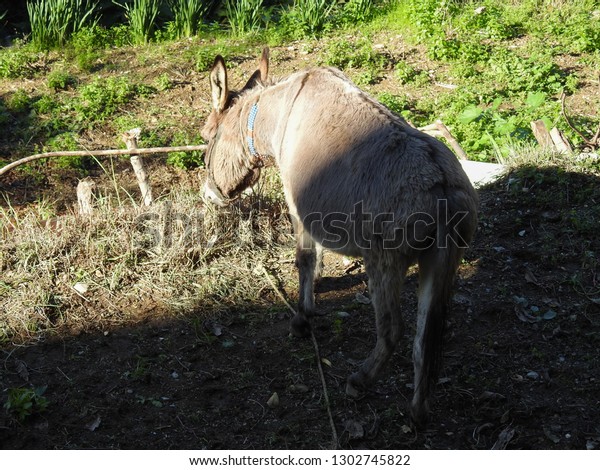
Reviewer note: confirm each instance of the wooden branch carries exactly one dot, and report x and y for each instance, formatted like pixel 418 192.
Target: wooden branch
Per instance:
pixel 564 113
pixel 130 138
pixel 438 129
pixel 101 153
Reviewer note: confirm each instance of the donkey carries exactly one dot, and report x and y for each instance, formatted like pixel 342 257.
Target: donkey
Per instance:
pixel 359 181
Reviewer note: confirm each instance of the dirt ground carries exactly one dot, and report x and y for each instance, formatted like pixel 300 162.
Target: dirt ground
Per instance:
pixel 520 371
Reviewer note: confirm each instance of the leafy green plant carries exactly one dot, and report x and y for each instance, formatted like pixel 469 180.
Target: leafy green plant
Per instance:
pixel 244 16
pixel 54 21
pixel 103 97
pixel 357 11
pixel 142 18
pixel 396 104
pixel 20 62
pixel 19 101
pixel 59 80
pixel 204 59
pixel 67 141
pixel 188 16
pixel 515 74
pixel 185 160
pixel 163 82
pixel 86 46
pixel 347 54
pixel 406 73
pixel 24 402
pixel 312 16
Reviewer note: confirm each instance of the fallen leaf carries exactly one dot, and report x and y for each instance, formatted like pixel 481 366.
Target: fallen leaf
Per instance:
pixel 533 375
pixel 326 361
pixel 300 388
pixel 22 370
pixel 94 424
pixel 530 277
pixel 228 343
pixel 520 300
pixel 487 395
pixel 551 433
pixel 214 327
pixel 549 315
pixel 525 316
pixel 354 429
pixel 504 438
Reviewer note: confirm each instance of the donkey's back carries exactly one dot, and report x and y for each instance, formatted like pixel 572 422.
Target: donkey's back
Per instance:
pixel 344 152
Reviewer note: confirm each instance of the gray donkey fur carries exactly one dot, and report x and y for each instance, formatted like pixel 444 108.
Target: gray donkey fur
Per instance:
pixel 359 181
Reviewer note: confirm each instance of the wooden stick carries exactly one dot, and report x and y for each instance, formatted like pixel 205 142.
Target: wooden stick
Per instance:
pixel 439 129
pixel 541 134
pixel 560 141
pixel 130 138
pixel 101 153
pixel 84 196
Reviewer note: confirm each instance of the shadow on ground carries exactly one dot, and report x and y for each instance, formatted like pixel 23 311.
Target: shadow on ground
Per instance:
pixel 520 367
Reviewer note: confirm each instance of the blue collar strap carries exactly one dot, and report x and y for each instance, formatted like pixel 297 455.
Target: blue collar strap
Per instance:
pixel 250 136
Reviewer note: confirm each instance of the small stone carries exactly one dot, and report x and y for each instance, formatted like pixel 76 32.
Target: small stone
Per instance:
pixel 81 287
pixel 273 402
pixel 533 375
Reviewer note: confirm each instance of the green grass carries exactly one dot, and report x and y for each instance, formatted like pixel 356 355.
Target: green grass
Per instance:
pixel 244 16
pixel 54 21
pixel 188 16
pixel 141 15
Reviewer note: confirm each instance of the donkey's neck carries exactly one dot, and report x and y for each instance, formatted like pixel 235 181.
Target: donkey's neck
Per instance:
pixel 267 111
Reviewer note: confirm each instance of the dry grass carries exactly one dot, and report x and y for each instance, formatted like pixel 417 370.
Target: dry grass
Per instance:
pixel 125 263
pixel 77 273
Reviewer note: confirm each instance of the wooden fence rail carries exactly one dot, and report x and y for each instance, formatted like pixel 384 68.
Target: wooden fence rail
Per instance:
pixel 101 153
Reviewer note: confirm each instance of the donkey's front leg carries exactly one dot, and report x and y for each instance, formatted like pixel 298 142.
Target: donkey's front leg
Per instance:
pixel 386 276
pixel 309 263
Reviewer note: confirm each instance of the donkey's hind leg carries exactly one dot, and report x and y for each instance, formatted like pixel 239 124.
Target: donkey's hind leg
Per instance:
pixel 309 264
pixel 437 268
pixel 386 271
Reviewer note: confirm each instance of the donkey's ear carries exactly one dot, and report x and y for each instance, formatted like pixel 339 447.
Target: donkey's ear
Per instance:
pixel 218 84
pixel 260 76
pixel 264 65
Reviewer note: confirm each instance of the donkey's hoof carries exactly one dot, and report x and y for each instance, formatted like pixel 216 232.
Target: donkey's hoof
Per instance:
pixel 355 385
pixel 300 327
pixel 419 416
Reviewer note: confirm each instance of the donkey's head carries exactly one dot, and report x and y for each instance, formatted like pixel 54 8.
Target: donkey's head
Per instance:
pixel 231 165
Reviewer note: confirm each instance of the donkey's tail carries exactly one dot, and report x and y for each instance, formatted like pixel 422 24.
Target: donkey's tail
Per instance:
pixel 456 223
